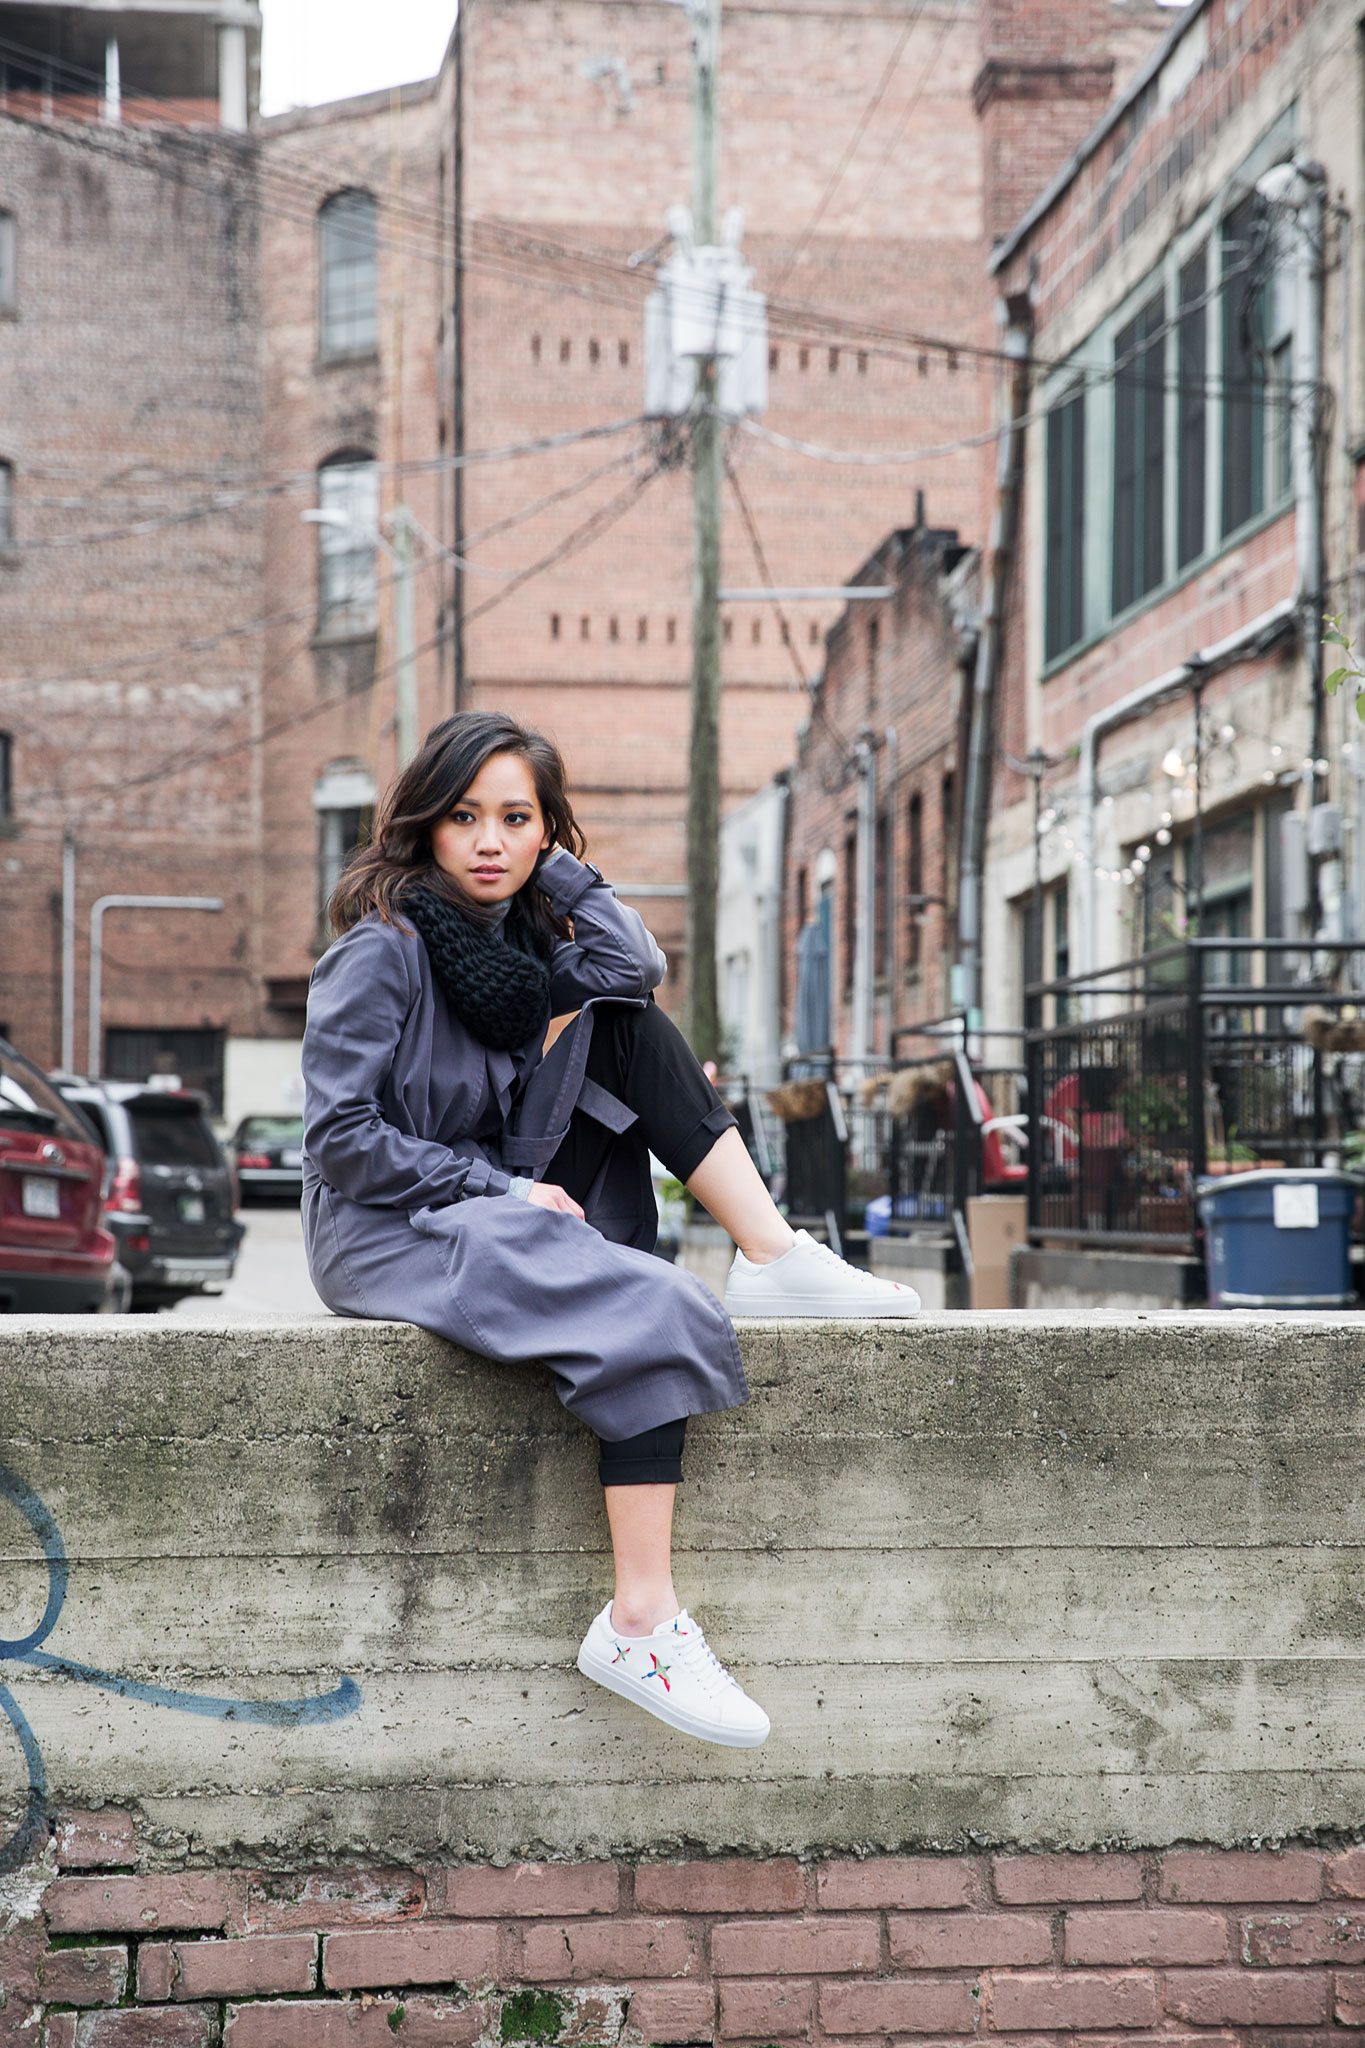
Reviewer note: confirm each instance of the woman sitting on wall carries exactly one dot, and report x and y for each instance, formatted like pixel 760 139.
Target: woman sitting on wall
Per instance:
pixel 457 1177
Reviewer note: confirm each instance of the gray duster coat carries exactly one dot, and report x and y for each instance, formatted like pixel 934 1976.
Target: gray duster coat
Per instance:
pixel 412 1131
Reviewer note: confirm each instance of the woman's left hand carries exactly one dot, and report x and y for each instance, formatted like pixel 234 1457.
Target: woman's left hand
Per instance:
pixel 547 1197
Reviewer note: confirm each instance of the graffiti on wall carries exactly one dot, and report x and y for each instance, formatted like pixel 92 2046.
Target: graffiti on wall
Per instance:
pixel 32 1832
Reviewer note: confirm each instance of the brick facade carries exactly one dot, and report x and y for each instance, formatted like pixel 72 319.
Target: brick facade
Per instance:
pixel 332 693
pixel 1239 87
pixel 131 416
pixel 1212 1946
pixel 554 161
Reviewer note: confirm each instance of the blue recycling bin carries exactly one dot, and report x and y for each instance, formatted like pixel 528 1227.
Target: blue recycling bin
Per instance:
pixel 1279 1237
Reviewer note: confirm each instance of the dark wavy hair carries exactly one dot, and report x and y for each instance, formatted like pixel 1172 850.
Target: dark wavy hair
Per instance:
pixel 399 856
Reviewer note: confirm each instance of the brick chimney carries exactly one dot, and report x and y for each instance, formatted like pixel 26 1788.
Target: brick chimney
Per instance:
pixel 1046 76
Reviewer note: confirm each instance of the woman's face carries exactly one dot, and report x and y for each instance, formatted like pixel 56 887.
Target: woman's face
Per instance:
pixel 490 841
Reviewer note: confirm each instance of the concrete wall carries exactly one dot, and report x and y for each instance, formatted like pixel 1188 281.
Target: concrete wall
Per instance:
pixel 999 1579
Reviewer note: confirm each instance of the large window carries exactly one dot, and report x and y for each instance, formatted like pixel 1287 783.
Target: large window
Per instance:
pixel 348 584
pixel 1170 428
pixel 1139 453
pixel 348 283
pixel 9 263
pixel 1065 621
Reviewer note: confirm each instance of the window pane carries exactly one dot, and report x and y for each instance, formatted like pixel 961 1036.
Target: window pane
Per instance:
pixel 9 264
pixel 1192 407
pixel 340 833
pixel 1243 365
pixel 348 588
pixel 914 874
pixel 6 505
pixel 172 1136
pixel 349 284
pixel 1139 454
pixel 1065 612
pixel 6 775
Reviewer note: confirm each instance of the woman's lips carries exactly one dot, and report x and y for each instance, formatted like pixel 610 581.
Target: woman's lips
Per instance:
pixel 488 874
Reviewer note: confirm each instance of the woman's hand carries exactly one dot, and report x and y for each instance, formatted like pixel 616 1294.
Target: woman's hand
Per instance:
pixel 546 1197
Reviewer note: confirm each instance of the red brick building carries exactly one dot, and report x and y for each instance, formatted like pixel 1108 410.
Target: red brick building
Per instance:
pixel 130 529
pixel 1185 317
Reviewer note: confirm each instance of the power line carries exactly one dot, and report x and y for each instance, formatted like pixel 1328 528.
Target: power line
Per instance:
pixel 850 150
pixel 596 523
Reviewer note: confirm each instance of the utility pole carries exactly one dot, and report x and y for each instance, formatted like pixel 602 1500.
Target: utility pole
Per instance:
pixel 703 774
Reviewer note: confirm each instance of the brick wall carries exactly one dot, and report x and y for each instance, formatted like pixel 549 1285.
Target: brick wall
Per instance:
pixel 554 160
pixel 336 704
pixel 130 409
pixel 1186 1946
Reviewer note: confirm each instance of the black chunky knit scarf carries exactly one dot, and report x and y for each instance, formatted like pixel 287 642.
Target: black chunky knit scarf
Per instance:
pixel 496 985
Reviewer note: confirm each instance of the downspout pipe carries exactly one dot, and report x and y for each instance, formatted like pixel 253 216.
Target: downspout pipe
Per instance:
pixel 976 799
pixel 1254 637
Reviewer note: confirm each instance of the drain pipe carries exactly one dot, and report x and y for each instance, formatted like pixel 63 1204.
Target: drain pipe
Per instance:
pixel 1253 638
pixel 976 797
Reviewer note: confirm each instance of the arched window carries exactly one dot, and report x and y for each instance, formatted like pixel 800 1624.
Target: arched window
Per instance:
pixel 348 281
pixel 9 263
pixel 348 531
pixel 6 504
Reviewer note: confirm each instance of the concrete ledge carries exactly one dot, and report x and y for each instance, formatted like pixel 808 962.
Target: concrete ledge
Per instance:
pixel 1000 1579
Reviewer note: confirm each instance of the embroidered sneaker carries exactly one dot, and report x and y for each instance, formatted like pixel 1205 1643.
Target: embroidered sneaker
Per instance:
pixel 811 1280
pixel 675 1675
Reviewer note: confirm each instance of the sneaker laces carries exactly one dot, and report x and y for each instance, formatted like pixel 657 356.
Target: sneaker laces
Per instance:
pixel 703 1663
pixel 831 1258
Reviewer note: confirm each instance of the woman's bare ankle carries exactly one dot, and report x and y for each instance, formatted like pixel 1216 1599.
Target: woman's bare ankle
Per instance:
pixel 772 1244
pixel 641 1614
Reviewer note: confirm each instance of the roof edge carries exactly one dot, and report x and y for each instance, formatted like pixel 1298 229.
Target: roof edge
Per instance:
pixel 357 104
pixel 1053 191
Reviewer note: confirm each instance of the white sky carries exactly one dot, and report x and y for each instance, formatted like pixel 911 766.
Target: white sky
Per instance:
pixel 315 50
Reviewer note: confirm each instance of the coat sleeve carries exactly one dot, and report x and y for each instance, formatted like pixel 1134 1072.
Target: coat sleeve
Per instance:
pixel 359 998
pixel 611 952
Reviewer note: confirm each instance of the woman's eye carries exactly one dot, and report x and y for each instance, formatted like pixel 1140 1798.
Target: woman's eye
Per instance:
pixel 461 817
pixel 518 817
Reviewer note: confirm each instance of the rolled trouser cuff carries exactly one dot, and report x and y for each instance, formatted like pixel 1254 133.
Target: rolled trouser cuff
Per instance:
pixel 653 1458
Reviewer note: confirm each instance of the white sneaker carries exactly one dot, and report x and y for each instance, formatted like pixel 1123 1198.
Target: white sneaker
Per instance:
pixel 811 1280
pixel 675 1675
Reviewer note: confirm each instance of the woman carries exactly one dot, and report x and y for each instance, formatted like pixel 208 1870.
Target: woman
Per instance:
pixel 458 1177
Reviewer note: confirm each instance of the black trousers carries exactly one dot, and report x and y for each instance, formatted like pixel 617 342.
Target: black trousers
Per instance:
pixel 640 1057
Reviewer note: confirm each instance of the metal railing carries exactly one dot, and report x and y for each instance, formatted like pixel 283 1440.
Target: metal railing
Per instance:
pixel 1187 1062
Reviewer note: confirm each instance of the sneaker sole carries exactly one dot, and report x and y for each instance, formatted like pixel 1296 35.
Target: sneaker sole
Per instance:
pixel 812 1308
pixel 662 1710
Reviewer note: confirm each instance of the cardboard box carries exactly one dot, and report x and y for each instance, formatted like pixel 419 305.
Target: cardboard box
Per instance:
pixel 995 1225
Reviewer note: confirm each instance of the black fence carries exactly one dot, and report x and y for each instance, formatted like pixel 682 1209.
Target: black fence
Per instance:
pixel 1198 1060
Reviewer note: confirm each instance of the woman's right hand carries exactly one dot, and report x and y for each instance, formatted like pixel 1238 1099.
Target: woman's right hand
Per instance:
pixel 546 1197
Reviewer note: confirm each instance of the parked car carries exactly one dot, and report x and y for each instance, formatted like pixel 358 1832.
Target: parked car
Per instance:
pixel 267 1152
pixel 56 1256
pixel 170 1197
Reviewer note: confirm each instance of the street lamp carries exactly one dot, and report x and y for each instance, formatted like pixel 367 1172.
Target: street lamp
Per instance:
pixel 399 552
pixel 97 911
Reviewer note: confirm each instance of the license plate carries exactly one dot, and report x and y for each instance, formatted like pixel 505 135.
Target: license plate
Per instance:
pixel 42 1197
pixel 191 1208
pixel 291 1156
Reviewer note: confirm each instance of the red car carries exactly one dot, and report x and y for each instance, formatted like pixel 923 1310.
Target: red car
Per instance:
pixel 55 1256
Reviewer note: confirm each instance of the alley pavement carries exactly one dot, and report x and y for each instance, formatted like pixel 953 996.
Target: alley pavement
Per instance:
pixel 271 1282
